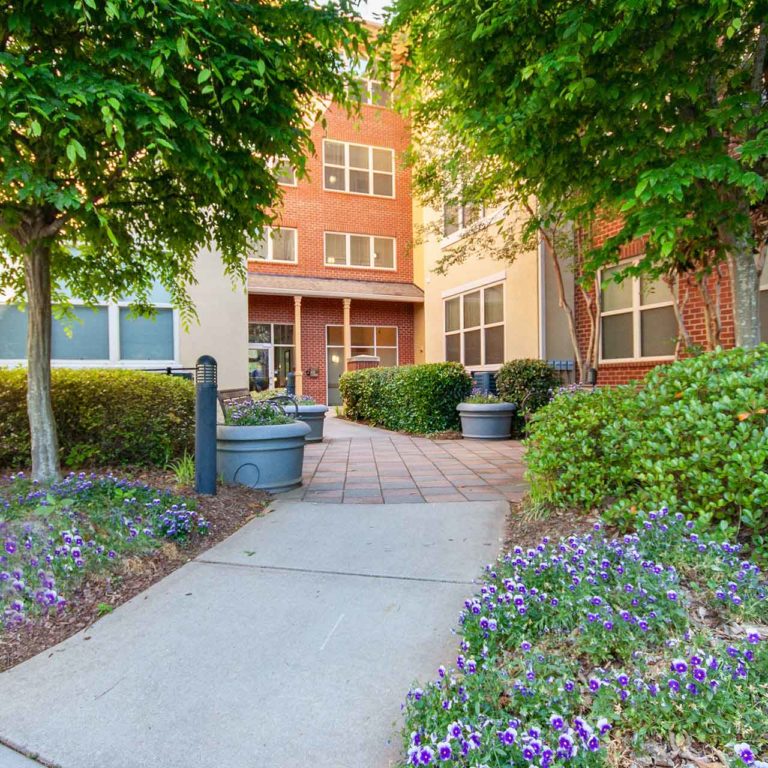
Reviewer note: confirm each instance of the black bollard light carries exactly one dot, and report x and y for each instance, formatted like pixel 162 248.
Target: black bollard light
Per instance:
pixel 290 384
pixel 205 425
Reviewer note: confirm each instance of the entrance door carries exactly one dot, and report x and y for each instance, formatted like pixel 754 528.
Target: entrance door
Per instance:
pixel 335 367
pixel 259 367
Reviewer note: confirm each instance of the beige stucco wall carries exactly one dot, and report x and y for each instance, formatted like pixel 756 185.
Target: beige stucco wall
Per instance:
pixel 557 339
pixel 521 295
pixel 221 329
pixel 419 275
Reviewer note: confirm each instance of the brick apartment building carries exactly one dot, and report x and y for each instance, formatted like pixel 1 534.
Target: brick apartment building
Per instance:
pixel 335 278
pixel 637 328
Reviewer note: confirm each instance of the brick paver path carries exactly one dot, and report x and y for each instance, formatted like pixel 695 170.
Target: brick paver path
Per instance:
pixel 360 465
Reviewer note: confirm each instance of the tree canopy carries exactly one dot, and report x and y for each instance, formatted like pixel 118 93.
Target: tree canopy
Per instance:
pixel 648 110
pixel 134 133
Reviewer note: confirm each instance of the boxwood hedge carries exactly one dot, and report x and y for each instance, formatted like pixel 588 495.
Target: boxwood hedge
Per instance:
pixel 693 435
pixel 104 417
pixel 412 398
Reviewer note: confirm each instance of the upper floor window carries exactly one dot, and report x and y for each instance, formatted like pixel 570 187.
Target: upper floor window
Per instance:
pixel 358 168
pixel 458 217
pixel 373 90
pixel 474 327
pixel 363 251
pixel 637 317
pixel 286 174
pixel 278 244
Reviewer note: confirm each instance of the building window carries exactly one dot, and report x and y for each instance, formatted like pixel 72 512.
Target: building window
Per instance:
pixel 106 334
pixel 377 340
pixel 459 217
pixel 358 168
pixel 285 173
pixel 372 90
pixel 360 251
pixel 279 244
pixel 637 316
pixel 474 327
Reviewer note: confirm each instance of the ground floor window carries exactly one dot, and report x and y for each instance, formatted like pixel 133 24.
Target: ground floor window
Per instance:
pixel 637 317
pixel 106 334
pixel 377 340
pixel 474 327
pixel 270 355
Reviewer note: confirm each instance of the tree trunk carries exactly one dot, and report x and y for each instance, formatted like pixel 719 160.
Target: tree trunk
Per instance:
pixel 744 285
pixel 42 425
pixel 563 303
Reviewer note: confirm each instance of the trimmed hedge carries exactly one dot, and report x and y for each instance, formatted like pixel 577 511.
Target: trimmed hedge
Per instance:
pixel 104 417
pixel 693 436
pixel 528 383
pixel 412 398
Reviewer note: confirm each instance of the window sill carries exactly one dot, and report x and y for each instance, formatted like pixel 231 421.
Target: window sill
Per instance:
pixel 637 360
pixel 355 266
pixel 359 194
pixel 273 261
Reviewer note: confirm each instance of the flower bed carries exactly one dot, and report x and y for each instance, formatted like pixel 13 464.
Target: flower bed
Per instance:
pixel 595 651
pixel 52 537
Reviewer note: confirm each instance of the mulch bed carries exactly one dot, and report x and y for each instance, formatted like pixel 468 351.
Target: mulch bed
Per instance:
pixel 526 530
pixel 229 510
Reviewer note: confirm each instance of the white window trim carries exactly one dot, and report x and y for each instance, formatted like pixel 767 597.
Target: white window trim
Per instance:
pixel 346 169
pixel 461 330
pixel 482 223
pixel 270 246
pixel 367 82
pixel 635 310
pixel 348 251
pixel 113 333
pixel 275 164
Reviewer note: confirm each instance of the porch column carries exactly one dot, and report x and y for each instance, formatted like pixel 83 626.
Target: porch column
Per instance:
pixel 297 366
pixel 347 332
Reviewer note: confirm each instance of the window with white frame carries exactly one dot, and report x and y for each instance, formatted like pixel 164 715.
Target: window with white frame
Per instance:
pixel 279 244
pixel 474 326
pixel 343 249
pixel 108 334
pixel 378 340
pixel 457 217
pixel 373 90
pixel 764 304
pixel 285 173
pixel 358 168
pixel 637 317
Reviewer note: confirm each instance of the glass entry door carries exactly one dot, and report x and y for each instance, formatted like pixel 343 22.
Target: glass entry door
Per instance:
pixel 259 367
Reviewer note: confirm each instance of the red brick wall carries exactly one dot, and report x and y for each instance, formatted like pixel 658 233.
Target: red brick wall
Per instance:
pixel 693 313
pixel 313 210
pixel 317 313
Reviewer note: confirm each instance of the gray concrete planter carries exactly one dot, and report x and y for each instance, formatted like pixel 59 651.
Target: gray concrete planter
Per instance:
pixel 314 415
pixel 486 421
pixel 268 457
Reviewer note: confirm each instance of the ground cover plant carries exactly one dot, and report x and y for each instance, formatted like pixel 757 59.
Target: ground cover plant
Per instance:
pixel 602 651
pixel 692 434
pixel 52 537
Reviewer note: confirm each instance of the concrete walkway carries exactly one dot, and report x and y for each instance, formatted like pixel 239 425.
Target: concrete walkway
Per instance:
pixel 357 464
pixel 290 644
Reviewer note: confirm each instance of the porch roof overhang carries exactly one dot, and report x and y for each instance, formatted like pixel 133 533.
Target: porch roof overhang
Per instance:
pixel 321 287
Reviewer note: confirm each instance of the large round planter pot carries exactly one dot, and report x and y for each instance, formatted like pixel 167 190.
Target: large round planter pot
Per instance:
pixel 268 457
pixel 314 415
pixel 486 421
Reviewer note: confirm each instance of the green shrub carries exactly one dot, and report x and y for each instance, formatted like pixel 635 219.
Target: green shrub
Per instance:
pixel 527 383
pixel 693 436
pixel 412 398
pixel 104 417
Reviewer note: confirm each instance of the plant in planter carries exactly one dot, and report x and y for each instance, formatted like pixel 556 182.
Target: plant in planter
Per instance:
pixel 302 407
pixel 259 445
pixel 486 417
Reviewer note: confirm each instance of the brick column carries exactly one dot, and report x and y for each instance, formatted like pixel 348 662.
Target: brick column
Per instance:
pixel 347 331
pixel 297 367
